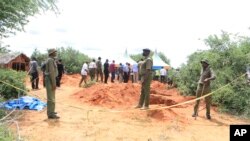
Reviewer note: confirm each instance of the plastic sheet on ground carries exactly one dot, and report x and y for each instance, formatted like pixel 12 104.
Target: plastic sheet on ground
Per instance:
pixel 25 102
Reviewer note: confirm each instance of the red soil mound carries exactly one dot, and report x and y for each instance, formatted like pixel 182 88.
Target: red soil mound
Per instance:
pixel 125 96
pixel 113 95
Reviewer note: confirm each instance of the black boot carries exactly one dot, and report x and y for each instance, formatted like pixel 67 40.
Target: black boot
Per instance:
pixel 208 117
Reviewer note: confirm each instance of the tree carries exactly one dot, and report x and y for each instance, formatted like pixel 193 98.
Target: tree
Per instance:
pixel 14 13
pixel 164 58
pixel 3 49
pixel 40 57
pixel 72 59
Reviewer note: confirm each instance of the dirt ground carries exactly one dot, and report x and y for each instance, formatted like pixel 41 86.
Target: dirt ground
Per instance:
pixel 104 112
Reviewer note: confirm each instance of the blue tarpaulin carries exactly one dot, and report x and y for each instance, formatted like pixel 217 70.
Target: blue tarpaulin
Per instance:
pixel 25 102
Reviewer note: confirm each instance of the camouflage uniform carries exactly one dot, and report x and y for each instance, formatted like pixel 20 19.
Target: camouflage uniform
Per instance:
pixel 204 88
pixel 146 77
pixel 50 82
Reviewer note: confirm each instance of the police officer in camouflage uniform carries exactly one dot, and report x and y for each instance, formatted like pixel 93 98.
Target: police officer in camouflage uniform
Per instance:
pixel 146 77
pixel 50 82
pixel 203 88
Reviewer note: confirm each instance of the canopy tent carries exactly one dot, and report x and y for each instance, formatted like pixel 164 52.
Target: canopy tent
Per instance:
pixel 158 63
pixel 125 58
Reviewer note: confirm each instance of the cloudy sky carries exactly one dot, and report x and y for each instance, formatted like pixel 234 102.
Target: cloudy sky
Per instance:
pixel 107 27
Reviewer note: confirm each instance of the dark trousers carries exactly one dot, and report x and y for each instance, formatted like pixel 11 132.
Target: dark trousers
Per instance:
pixel 34 80
pixel 106 76
pixel 58 80
pixel 126 77
pixel 162 79
pixel 112 76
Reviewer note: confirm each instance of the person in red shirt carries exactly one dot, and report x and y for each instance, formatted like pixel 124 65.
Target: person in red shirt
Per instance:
pixel 112 71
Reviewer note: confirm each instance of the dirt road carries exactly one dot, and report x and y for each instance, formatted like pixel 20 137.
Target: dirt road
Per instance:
pixel 105 113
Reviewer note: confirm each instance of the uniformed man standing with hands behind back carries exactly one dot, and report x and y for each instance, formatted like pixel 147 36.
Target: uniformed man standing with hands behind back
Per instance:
pixel 146 77
pixel 50 82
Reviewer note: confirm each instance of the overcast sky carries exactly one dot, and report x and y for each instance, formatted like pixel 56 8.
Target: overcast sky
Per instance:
pixel 107 27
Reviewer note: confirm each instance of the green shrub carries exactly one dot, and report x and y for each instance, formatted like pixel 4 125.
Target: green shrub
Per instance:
pixel 5 134
pixel 14 78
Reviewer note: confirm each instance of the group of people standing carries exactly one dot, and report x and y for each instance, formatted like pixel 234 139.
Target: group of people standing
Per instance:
pixel 96 70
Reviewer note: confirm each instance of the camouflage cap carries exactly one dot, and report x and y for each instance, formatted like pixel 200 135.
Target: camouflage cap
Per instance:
pixel 205 61
pixel 50 51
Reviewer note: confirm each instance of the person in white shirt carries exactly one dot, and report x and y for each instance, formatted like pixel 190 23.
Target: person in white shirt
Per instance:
pixel 92 69
pixel 163 74
pixel 84 73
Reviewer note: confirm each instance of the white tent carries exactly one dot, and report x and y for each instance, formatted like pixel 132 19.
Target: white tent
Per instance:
pixel 125 58
pixel 157 62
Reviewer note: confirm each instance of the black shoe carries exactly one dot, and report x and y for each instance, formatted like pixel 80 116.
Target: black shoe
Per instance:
pixel 208 117
pixel 55 113
pixel 53 117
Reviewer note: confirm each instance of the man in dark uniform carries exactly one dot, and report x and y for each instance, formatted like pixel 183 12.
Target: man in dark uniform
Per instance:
pixel 99 69
pixel 106 71
pixel 146 77
pixel 203 88
pixel 50 78
pixel 60 68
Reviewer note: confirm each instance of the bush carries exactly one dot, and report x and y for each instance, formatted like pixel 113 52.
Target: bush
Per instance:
pixel 14 78
pixel 5 134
